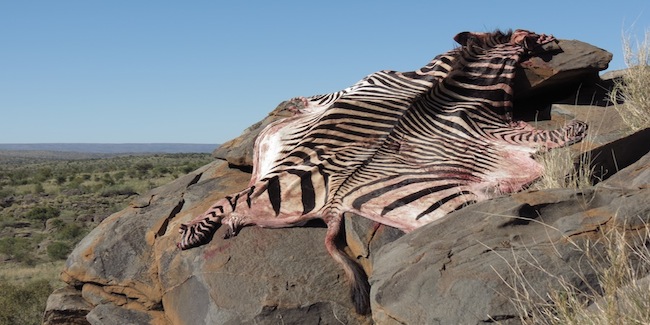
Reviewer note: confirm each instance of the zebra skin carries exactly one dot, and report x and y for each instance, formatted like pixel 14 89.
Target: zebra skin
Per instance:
pixel 399 148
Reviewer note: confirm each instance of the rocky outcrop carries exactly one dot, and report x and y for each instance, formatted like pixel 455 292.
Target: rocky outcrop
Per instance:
pixel 128 269
pixel 576 61
pixel 463 269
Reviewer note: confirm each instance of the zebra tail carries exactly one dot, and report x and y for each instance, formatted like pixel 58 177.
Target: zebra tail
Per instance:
pixel 357 278
pixel 359 286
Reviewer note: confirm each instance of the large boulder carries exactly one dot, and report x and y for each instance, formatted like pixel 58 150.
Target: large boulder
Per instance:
pixel 130 264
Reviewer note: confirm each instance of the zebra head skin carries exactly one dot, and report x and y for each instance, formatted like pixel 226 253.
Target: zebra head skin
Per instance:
pixel 400 148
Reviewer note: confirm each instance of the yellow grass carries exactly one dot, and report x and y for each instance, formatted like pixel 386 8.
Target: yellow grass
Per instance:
pixel 561 170
pixel 620 296
pixel 632 89
pixel 20 274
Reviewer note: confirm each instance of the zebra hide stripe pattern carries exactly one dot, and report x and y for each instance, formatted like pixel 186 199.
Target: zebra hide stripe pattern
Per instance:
pixel 400 148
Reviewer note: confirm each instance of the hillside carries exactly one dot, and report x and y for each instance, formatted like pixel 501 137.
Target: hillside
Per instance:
pixel 50 200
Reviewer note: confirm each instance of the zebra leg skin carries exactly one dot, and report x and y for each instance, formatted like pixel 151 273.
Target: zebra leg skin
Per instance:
pixel 229 211
pixel 522 133
pixel 198 232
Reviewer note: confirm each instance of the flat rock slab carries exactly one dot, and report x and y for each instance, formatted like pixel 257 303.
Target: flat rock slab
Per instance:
pixel 577 61
pixel 66 306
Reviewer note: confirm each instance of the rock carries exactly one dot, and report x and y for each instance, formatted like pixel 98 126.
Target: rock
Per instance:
pixel 569 78
pixel 109 314
pixel 613 75
pixel 636 175
pixel 259 277
pixel 66 306
pixel 606 160
pixel 621 302
pixel 364 237
pixel 577 61
pixel 605 124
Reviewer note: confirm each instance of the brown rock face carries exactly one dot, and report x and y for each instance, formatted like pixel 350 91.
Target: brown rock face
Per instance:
pixel 576 61
pixel 462 270
pixel 129 266
pixel 128 270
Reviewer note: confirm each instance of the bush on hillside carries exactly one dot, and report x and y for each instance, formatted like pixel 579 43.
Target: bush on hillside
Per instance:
pixel 43 213
pixel 18 249
pixel 23 304
pixel 58 250
pixel 70 232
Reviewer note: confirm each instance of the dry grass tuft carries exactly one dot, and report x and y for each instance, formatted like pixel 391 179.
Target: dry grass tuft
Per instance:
pixel 561 170
pixel 18 274
pixel 632 89
pixel 620 296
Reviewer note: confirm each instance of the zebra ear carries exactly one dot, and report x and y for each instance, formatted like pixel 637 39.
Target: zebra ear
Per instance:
pixel 462 38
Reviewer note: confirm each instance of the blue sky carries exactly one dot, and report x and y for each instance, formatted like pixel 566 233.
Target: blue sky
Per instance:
pixel 202 71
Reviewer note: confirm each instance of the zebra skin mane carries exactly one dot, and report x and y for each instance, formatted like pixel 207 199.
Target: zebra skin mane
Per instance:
pixel 400 148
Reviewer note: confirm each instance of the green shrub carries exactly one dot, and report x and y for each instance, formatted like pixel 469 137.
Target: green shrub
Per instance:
pixel 60 180
pixel 57 223
pixel 18 249
pixel 43 174
pixel 119 176
pixel 117 190
pixel 70 231
pixel 143 168
pixel 75 183
pixel 108 180
pixel 68 214
pixel 43 213
pixel 161 171
pixel 58 250
pixel 19 177
pixel 6 192
pixel 23 304
pixel 38 188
